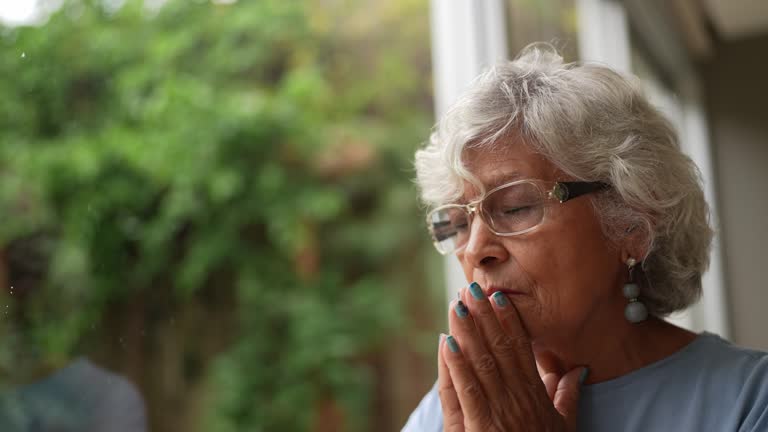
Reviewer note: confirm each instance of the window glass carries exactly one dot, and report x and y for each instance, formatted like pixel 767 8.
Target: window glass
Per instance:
pixel 207 215
pixel 553 21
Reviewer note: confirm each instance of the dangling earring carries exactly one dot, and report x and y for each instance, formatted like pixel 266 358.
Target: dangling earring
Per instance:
pixel 635 311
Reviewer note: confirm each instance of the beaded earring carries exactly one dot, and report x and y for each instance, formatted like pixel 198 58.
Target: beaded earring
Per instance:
pixel 635 311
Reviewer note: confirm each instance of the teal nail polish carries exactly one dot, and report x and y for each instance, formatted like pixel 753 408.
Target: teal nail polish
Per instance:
pixel 452 345
pixel 583 376
pixel 500 299
pixel 461 309
pixel 476 291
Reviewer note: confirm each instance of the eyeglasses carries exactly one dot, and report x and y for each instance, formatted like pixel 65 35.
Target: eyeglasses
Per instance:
pixel 511 209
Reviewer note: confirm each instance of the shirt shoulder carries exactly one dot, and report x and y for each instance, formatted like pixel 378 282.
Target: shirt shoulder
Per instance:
pixel 428 415
pixel 731 382
pixel 739 371
pixel 744 373
pixel 710 385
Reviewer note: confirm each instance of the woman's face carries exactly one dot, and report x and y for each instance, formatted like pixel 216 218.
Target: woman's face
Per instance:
pixel 565 274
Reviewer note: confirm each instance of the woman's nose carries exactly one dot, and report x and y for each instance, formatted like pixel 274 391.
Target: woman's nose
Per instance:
pixel 483 248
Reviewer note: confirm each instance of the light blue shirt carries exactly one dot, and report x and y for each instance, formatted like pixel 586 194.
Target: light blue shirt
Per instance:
pixel 709 385
pixel 81 397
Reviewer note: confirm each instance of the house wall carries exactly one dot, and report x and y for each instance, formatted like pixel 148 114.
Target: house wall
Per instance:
pixel 736 92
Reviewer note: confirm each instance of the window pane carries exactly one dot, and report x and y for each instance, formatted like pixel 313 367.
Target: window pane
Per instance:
pixel 208 218
pixel 552 21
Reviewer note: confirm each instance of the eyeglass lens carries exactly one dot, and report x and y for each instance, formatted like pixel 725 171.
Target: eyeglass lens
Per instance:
pixel 509 210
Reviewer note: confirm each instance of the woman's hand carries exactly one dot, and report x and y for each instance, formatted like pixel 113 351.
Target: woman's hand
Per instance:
pixel 487 376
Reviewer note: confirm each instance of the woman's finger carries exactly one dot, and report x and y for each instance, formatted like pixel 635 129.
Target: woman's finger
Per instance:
pixel 486 369
pixel 550 381
pixel 549 371
pixel 566 398
pixel 474 404
pixel 507 341
pixel 453 419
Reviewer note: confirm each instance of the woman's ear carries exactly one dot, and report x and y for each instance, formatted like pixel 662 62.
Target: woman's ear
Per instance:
pixel 635 243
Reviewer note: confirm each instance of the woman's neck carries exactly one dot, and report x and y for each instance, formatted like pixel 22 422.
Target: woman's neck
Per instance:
pixel 611 351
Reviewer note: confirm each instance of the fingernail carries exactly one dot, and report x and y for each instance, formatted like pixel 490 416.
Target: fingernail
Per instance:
pixel 500 299
pixel 452 345
pixel 461 309
pixel 440 338
pixel 476 291
pixel 584 375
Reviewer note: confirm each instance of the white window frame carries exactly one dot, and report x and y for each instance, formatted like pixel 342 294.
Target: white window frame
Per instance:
pixel 468 35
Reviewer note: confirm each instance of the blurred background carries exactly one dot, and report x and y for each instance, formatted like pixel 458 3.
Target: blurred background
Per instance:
pixel 208 220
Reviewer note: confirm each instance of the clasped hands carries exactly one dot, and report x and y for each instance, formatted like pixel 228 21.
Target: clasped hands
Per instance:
pixel 488 380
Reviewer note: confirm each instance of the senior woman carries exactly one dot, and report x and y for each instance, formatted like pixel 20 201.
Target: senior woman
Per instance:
pixel 579 225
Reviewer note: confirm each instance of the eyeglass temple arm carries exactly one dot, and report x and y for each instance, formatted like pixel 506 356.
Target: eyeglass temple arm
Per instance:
pixel 565 191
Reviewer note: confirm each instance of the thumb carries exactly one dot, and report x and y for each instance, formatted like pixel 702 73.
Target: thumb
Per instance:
pixel 566 398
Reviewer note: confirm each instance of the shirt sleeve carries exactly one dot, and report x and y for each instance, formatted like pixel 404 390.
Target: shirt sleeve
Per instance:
pixel 428 416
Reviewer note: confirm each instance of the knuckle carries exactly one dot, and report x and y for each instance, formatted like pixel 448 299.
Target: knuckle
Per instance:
pixel 489 424
pixel 522 344
pixel 453 423
pixel 472 391
pixel 449 402
pixel 484 309
pixel 533 382
pixel 485 365
pixel 506 346
pixel 444 392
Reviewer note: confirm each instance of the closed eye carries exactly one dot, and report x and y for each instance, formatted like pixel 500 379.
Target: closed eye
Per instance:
pixel 516 210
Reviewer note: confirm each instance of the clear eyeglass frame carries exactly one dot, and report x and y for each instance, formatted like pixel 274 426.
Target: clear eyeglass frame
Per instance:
pixel 550 191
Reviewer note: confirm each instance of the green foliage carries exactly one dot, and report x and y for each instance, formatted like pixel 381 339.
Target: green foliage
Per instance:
pixel 252 147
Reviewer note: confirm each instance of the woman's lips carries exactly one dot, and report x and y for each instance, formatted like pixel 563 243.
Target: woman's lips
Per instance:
pixel 507 291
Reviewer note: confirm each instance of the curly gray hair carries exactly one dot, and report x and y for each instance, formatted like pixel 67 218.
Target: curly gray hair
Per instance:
pixel 595 125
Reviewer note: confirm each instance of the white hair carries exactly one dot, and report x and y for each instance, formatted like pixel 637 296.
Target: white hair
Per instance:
pixel 595 125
